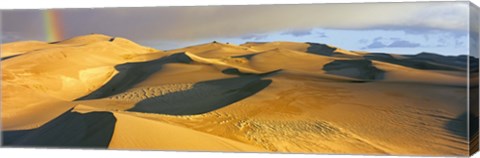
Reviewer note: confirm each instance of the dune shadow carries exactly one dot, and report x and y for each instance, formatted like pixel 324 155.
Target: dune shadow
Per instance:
pixel 473 61
pixel 320 49
pixel 71 129
pixel 235 71
pixel 359 69
pixel 458 126
pixel 130 74
pixel 425 61
pixel 203 97
pixel 247 56
pixel 9 57
pixel 474 102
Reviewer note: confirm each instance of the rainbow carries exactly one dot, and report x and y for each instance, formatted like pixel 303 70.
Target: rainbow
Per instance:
pixel 52 25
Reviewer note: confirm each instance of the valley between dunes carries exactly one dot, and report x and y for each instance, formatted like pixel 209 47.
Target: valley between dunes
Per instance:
pixel 95 91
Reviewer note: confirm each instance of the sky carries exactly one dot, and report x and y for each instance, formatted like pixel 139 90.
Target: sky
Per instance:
pixel 402 28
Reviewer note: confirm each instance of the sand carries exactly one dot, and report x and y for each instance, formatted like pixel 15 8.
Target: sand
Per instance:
pixel 254 97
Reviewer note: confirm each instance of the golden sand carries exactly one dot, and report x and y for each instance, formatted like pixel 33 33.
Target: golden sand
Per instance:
pixel 305 109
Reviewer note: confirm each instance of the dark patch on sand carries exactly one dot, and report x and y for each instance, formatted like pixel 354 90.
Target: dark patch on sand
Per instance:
pixel 247 56
pixel 235 71
pixel 71 129
pixel 458 125
pixel 203 97
pixel 9 57
pixel 130 74
pixel 426 61
pixel 359 69
pixel 55 42
pixel 320 49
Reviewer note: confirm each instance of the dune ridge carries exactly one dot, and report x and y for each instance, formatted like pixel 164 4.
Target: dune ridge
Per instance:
pixel 254 97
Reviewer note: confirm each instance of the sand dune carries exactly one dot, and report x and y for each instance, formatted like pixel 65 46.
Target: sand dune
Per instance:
pixel 131 129
pixel 130 74
pixel 254 97
pixel 286 59
pixel 215 50
pixel 71 129
pixel 225 62
pixel 22 47
pixel 313 48
pixel 58 74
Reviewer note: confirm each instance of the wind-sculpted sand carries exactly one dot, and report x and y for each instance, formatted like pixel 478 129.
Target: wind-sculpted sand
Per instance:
pixel 97 91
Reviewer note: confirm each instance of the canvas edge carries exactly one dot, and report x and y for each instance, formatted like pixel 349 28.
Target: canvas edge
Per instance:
pixel 473 89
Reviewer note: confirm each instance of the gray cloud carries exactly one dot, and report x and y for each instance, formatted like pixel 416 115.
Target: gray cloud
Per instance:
pixel 322 35
pixel 379 42
pixel 403 44
pixel 374 45
pixel 193 23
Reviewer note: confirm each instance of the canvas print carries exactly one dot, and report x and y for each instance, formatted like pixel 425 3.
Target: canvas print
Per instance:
pixel 359 78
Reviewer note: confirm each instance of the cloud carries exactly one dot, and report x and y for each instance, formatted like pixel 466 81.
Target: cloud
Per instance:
pixel 202 22
pixel 403 44
pixel 374 45
pixel 381 42
pixel 322 35
pixel 298 33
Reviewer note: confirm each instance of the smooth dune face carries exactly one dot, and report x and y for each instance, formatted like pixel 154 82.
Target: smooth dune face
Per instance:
pixel 254 97
pixel 60 73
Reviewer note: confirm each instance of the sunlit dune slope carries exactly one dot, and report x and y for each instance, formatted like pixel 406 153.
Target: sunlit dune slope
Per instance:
pixel 215 50
pixel 131 134
pixel 254 97
pixel 313 48
pixel 61 72
pixel 17 48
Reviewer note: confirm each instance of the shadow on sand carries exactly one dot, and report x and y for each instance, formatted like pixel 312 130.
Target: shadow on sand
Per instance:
pixel 71 129
pixel 359 69
pixel 203 97
pixel 425 61
pixel 9 57
pixel 130 74
pixel 458 126
pixel 320 49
